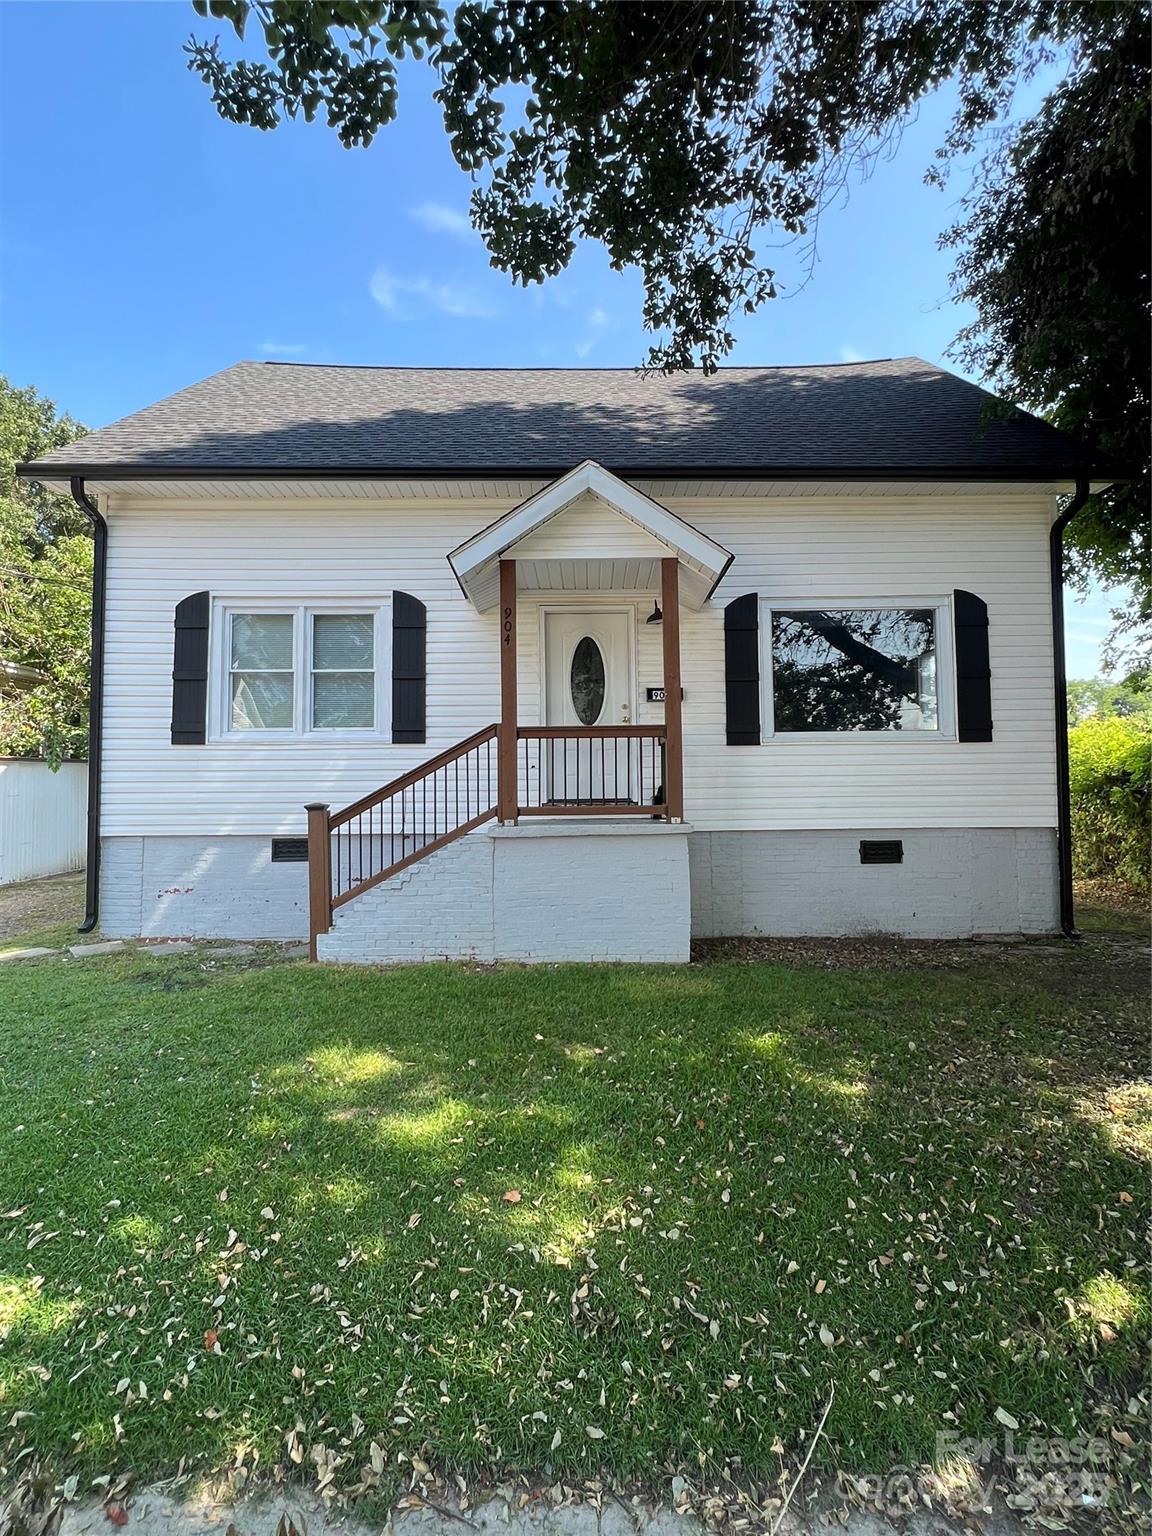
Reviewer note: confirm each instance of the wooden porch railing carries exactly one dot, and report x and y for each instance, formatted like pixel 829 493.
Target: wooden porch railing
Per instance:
pixel 585 770
pixel 590 770
pixel 352 850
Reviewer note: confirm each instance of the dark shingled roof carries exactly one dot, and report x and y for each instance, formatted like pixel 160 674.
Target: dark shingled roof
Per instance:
pixel 901 415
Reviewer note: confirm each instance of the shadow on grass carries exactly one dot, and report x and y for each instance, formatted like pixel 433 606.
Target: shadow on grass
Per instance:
pixel 472 1211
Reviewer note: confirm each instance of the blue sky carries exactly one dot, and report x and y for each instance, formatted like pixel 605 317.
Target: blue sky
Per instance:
pixel 145 244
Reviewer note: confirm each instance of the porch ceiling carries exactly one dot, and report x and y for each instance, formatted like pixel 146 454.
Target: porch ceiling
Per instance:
pixel 588 575
pixel 589 530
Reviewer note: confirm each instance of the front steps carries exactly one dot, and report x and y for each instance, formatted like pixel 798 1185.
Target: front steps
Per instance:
pixel 543 891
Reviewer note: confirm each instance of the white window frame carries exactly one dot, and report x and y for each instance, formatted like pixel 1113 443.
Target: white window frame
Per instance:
pixel 302 613
pixel 945 731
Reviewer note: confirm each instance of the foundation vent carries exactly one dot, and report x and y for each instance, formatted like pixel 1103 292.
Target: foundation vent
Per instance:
pixel 881 851
pixel 289 850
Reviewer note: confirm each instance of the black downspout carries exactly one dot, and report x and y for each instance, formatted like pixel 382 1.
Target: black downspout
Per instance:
pixel 1060 671
pixel 95 697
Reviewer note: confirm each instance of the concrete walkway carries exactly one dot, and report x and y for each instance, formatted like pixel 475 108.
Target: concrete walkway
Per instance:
pixel 158 1513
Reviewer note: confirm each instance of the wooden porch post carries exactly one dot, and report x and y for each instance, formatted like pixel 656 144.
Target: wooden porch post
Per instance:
pixel 319 875
pixel 673 711
pixel 506 791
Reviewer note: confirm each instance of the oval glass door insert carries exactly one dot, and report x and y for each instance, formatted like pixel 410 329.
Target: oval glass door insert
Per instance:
pixel 587 681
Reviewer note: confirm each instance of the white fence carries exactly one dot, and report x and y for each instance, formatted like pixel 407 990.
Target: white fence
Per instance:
pixel 42 818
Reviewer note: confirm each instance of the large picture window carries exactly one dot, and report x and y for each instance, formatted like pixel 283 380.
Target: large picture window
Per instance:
pixel 866 667
pixel 297 670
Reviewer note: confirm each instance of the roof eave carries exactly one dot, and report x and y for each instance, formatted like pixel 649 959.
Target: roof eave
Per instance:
pixel 1049 472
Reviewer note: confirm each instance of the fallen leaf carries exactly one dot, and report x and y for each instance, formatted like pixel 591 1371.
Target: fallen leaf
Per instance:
pixel 593 1433
pixel 827 1337
pixel 210 1337
pixel 512 1196
pixel 116 1513
pixel 1002 1416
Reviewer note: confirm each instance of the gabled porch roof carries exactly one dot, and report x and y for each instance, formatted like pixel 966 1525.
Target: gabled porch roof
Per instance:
pixel 588 555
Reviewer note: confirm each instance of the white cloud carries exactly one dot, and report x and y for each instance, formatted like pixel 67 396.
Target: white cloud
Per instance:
pixel 282 349
pixel 455 299
pixel 850 355
pixel 442 220
pixel 597 320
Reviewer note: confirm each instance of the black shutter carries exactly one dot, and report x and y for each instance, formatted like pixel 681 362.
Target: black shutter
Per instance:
pixel 973 674
pixel 190 672
pixel 742 670
pixel 409 667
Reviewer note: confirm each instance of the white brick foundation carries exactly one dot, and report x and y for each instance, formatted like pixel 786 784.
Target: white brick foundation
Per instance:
pixel 540 891
pixel 953 883
pixel 585 890
pixel 200 888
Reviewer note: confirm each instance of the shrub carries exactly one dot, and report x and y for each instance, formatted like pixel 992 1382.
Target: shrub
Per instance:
pixel 1110 760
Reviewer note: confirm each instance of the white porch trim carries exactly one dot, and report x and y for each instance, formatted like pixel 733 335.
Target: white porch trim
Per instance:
pixel 475 563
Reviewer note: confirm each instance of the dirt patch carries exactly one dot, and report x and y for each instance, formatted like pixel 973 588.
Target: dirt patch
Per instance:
pixel 29 906
pixel 1112 964
pixel 1114 897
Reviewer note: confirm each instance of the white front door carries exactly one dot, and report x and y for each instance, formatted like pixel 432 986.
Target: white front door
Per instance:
pixel 588 681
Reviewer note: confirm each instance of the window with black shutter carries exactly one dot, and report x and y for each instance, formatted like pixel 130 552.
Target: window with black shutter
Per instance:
pixel 190 671
pixel 973 668
pixel 742 671
pixel 409 668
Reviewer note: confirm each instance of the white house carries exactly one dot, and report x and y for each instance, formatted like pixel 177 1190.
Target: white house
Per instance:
pixel 574 664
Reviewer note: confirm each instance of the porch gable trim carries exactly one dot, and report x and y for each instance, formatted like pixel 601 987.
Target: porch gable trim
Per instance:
pixel 473 561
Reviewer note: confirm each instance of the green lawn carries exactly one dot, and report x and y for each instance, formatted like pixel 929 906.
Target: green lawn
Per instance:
pixel 563 1219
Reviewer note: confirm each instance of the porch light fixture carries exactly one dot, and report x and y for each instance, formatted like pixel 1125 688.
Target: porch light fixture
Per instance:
pixel 655 617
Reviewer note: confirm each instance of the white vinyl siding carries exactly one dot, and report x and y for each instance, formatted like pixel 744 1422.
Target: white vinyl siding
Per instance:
pixel 995 547
pixel 311 552
pixel 320 556
pixel 589 527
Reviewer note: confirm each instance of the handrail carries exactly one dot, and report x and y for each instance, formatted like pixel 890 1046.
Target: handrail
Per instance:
pixel 588 732
pixel 555 770
pixel 413 776
pixel 385 831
